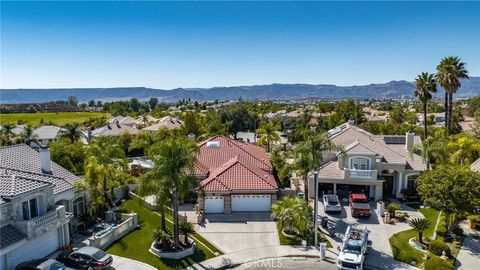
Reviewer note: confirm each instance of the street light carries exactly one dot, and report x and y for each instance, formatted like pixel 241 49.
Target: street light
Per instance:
pixel 315 206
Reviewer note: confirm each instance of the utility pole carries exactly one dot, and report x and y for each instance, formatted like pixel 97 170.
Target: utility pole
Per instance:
pixel 315 206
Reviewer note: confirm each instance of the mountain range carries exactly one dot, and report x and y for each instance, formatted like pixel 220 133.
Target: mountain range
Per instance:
pixel 393 89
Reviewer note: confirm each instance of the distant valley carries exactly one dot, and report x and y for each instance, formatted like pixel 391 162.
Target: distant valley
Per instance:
pixel 393 89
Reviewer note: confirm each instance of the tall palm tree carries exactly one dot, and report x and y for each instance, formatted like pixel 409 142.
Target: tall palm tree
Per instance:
pixel 425 85
pixel 293 214
pixel 310 154
pixel 449 72
pixel 71 131
pixel 303 166
pixel 269 135
pixel 419 225
pixel 174 160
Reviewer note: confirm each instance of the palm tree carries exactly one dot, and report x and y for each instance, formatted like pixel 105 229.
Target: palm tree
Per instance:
pixel 162 237
pixel 310 154
pixel 28 136
pixel 464 149
pixel 174 160
pixel 186 228
pixel 303 166
pixel 419 225
pixel 449 72
pixel 269 135
pixel 392 209
pixel 425 85
pixel 71 131
pixel 294 214
pixel 7 130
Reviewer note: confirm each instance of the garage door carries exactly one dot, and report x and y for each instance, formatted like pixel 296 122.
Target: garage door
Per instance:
pixel 244 203
pixel 214 204
pixel 37 249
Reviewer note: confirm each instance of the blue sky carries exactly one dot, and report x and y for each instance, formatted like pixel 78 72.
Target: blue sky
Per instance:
pixel 203 44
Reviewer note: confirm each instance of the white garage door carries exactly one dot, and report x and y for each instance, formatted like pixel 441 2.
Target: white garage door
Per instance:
pixel 37 249
pixel 214 204
pixel 243 203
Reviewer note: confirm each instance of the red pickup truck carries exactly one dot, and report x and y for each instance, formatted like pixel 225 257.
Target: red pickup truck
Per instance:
pixel 359 205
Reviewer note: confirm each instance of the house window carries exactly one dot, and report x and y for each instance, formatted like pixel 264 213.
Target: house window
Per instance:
pixel 412 182
pixel 30 209
pixel 78 207
pixel 359 164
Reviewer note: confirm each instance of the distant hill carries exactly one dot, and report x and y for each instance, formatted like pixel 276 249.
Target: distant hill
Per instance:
pixel 393 89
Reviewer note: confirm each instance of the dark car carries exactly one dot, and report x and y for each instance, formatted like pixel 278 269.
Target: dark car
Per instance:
pixel 86 258
pixel 49 264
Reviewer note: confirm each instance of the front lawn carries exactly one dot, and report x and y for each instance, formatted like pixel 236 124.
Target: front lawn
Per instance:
pixel 136 245
pixel 401 249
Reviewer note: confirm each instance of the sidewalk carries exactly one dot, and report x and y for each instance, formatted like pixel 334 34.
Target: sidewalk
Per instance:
pixel 469 255
pixel 244 256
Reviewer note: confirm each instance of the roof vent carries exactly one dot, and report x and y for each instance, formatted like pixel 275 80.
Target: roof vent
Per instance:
pixel 213 144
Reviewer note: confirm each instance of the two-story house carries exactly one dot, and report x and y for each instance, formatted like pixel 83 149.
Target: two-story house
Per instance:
pixel 378 165
pixel 38 201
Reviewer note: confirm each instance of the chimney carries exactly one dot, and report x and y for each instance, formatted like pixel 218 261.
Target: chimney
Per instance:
pixel 409 137
pixel 45 162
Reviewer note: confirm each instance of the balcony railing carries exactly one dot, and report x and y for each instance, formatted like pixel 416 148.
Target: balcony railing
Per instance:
pixel 36 225
pixel 44 220
pixel 364 174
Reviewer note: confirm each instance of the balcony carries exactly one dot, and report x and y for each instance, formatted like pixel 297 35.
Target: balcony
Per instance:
pixel 37 225
pixel 360 174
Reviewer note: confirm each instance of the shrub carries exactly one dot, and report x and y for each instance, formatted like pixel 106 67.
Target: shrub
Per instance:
pixel 442 230
pixel 437 263
pixel 437 246
pixel 392 208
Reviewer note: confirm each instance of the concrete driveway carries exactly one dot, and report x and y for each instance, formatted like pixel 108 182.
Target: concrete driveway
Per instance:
pixel 239 231
pixel 121 263
pixel 380 254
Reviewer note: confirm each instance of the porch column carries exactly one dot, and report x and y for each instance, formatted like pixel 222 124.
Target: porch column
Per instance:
pixel 399 184
pixel 378 192
pixel 334 188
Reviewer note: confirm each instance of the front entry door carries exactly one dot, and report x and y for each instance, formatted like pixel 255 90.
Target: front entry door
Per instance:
pixel 388 186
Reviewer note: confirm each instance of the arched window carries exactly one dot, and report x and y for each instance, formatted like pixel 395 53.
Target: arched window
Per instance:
pixel 78 207
pixel 360 163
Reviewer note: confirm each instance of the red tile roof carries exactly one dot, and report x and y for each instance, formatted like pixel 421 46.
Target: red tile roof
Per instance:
pixel 234 165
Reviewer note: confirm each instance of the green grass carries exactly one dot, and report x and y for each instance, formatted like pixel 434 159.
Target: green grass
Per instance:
pixel 297 240
pixel 401 249
pixel 60 118
pixel 136 244
pixel 437 263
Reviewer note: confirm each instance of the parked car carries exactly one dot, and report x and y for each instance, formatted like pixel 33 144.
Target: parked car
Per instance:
pixel 86 258
pixel 359 205
pixel 331 203
pixel 49 264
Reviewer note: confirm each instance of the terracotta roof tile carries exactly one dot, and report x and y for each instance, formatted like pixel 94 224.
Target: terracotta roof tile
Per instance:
pixel 234 165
